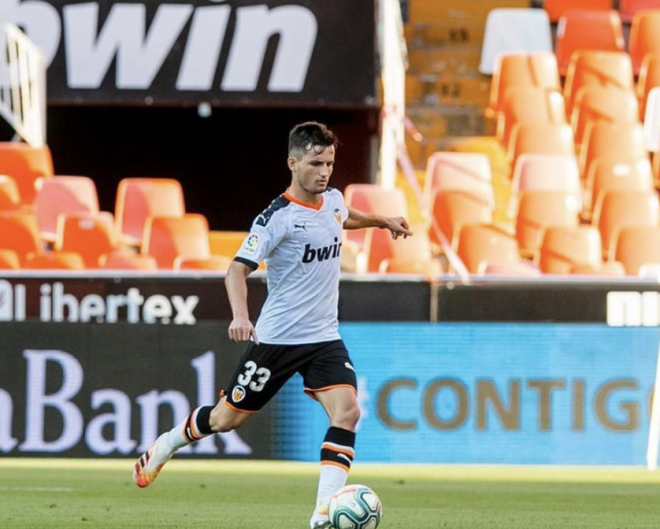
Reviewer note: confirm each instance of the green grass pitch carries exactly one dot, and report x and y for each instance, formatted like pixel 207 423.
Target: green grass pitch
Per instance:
pixel 99 494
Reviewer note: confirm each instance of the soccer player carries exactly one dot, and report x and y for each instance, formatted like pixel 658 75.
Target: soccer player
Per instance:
pixel 299 237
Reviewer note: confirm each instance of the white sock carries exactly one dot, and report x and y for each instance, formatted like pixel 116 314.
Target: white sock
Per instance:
pixel 184 433
pixel 331 479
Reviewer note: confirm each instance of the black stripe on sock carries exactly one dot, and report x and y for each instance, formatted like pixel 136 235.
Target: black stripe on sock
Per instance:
pixel 203 419
pixel 339 436
pixel 340 458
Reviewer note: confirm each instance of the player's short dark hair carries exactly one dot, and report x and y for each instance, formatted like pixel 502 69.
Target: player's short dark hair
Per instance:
pixel 308 135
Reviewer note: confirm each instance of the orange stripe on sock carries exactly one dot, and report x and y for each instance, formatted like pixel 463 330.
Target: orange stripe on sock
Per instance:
pixel 334 464
pixel 333 448
pixel 193 428
pixel 186 429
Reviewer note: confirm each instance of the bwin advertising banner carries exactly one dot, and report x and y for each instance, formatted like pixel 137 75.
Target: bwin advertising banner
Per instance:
pixel 575 394
pixel 224 52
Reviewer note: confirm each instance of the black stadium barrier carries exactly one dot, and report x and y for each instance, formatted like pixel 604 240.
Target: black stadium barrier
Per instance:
pixel 98 365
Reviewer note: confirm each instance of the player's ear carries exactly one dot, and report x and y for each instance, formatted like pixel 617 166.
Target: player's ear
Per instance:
pixel 291 162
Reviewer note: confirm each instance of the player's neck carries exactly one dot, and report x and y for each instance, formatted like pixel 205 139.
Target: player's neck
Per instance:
pixel 300 195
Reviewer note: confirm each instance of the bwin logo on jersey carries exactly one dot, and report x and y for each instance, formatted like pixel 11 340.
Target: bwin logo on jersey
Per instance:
pixel 321 254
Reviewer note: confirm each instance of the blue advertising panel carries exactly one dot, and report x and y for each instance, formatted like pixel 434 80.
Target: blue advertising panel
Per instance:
pixel 575 394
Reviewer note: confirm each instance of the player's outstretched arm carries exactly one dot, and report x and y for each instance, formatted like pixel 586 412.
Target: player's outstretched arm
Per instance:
pixel 359 219
pixel 240 328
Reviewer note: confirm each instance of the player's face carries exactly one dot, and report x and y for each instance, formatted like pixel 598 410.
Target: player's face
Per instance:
pixel 311 173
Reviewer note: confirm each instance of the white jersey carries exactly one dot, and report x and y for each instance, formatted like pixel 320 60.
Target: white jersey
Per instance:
pixel 300 243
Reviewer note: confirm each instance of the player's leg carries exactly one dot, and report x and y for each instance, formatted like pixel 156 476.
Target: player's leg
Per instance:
pixel 338 448
pixel 256 379
pixel 203 421
pixel 331 380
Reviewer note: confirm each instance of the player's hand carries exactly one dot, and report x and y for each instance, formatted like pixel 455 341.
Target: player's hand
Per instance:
pixel 398 226
pixel 241 330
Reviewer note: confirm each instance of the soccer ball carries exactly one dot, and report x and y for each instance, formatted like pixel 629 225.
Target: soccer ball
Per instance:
pixel 355 507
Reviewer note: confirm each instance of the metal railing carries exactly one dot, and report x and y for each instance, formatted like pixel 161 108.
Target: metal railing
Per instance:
pixel 22 85
pixel 394 60
pixel 393 151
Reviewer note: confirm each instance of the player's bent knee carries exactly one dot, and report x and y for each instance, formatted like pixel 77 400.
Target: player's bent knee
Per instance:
pixel 354 415
pixel 347 418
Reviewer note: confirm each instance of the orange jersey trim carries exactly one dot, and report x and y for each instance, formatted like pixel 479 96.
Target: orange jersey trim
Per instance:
pixel 229 405
pixel 333 464
pixel 310 392
pixel 302 203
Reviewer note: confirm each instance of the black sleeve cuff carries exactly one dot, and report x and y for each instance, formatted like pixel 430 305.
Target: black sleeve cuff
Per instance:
pixel 247 262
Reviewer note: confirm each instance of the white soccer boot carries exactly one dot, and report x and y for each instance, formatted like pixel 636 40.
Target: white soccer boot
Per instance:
pixel 151 462
pixel 320 519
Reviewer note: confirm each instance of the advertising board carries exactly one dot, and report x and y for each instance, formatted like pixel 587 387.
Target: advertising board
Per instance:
pixel 573 394
pixel 227 52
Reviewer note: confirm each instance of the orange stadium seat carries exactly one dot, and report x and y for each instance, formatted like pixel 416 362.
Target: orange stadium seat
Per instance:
pixel 541 138
pixel 138 198
pixel 538 70
pixel 9 260
pixel 19 232
pixel 604 269
pixel 523 104
pixel 226 243
pixel 544 172
pixel 616 141
pixel 378 246
pixel 644 36
pixel 637 246
pixel 479 245
pixel 649 78
pixel 557 8
pixel 63 194
pixel 126 260
pixel 166 238
pixel 89 234
pixel 381 248
pixel 564 247
pixel 466 171
pixel 587 30
pixel 53 260
pixel 608 69
pixel 608 175
pixel 371 198
pixel 214 263
pixel 429 268
pixel 652 122
pixel 595 103
pixel 538 210
pixel 452 209
pixel 628 8
pixel 622 209
pixel 515 269
pixel 26 165
pixel 9 197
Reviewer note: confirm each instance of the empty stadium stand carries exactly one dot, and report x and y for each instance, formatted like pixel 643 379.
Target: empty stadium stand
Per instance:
pixel 513 147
